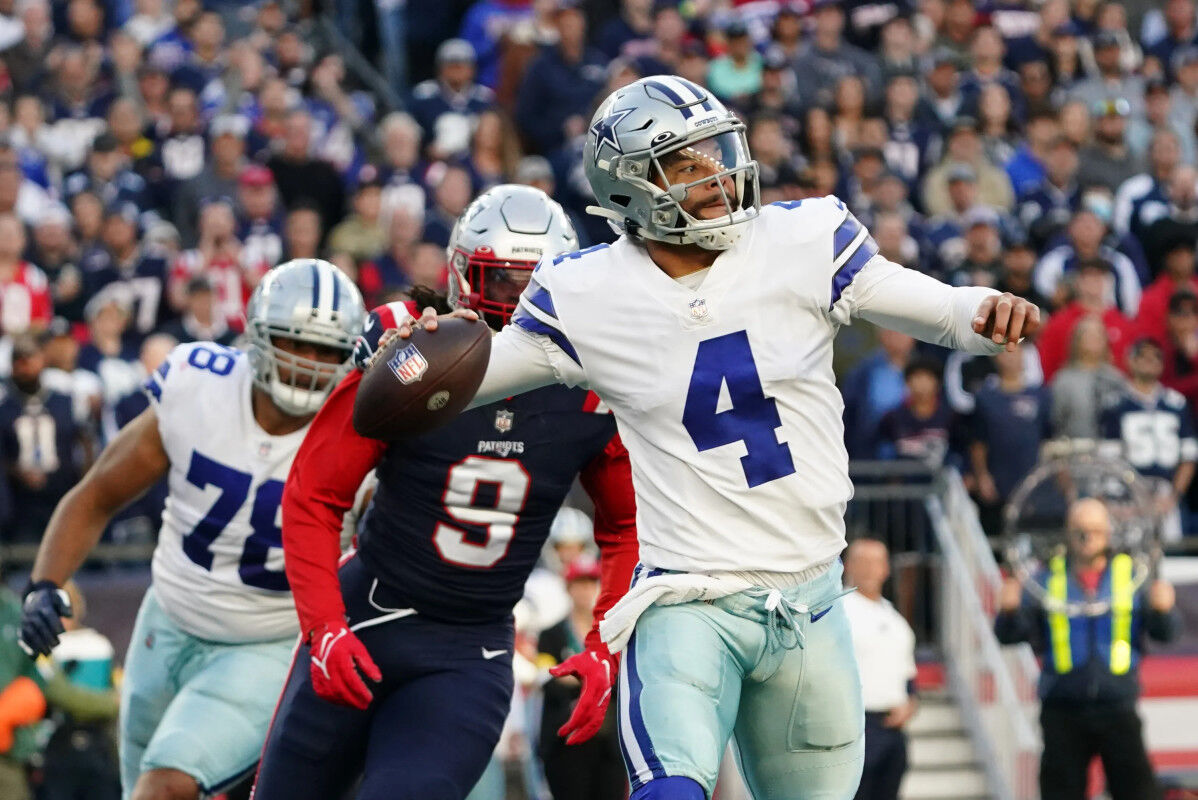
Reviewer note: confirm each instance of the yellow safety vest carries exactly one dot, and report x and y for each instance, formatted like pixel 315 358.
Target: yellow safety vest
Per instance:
pixel 1122 597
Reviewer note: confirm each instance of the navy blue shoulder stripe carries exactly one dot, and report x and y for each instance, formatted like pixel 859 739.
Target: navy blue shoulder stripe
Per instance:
pixel 533 325
pixel 849 269
pixel 541 298
pixel 845 235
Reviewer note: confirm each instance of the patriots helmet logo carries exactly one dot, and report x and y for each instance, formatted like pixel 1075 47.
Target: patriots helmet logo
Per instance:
pixel 604 131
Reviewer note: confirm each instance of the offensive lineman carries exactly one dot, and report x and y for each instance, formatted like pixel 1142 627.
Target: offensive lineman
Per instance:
pixel 424 608
pixel 214 635
pixel 715 355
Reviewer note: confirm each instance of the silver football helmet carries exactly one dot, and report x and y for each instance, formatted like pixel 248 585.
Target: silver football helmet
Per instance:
pixel 304 300
pixel 497 242
pixel 635 128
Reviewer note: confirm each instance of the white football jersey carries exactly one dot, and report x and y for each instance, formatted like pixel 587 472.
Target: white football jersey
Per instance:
pixel 218 566
pixel 724 394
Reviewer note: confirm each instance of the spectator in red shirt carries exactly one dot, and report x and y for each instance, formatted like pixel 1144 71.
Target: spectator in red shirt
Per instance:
pixel 1177 273
pixel 1090 296
pixel 24 291
pixel 1180 345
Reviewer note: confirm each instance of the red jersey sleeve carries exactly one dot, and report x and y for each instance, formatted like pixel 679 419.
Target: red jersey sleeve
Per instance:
pixel 41 307
pixel 331 464
pixel 608 481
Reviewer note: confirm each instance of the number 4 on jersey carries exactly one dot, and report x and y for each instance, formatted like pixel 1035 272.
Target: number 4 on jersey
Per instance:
pixel 752 417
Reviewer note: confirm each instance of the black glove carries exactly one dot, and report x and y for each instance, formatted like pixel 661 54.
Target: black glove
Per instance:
pixel 41 617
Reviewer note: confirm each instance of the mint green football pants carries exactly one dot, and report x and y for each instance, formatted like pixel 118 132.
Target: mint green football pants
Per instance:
pixel 781 682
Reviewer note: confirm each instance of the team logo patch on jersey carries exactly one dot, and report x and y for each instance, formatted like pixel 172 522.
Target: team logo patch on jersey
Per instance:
pixel 503 420
pixel 409 364
pixel 698 308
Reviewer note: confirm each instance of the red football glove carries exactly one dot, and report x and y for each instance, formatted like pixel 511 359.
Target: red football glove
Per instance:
pixel 337 658
pixel 597 669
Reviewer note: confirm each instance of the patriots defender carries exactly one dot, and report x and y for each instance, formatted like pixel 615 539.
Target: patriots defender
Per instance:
pixel 215 631
pixel 423 610
pixel 715 355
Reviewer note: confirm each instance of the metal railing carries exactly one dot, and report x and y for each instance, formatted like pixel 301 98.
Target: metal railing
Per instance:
pixel 995 686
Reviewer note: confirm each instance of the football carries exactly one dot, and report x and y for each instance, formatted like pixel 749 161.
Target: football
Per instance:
pixel 416 384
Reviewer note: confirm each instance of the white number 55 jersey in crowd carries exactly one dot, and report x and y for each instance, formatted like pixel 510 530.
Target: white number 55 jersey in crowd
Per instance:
pixel 724 393
pixel 218 567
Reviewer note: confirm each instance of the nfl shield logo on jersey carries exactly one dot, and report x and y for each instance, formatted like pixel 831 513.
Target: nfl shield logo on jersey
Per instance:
pixel 698 308
pixel 408 364
pixel 503 420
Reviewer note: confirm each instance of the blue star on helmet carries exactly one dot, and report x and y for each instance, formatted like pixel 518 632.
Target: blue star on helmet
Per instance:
pixel 605 132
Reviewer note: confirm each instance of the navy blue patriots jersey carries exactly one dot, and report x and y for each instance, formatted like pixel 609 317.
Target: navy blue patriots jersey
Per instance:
pixel 460 514
pixel 1156 432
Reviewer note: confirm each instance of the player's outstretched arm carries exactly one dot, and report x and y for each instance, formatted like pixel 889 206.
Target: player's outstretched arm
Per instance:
pixel 970 318
pixel 131 463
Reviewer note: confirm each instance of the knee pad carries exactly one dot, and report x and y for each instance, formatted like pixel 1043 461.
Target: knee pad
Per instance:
pixel 674 787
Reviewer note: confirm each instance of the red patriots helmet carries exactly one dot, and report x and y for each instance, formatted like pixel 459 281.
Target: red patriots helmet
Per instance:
pixel 497 242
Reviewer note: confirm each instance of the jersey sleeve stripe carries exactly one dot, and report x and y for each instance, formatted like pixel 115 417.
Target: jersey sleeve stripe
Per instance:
pixel 540 297
pixel 849 230
pixel 849 269
pixel 526 318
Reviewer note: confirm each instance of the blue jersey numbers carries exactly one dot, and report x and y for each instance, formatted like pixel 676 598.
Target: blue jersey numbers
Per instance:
pixel 750 416
pixel 234 488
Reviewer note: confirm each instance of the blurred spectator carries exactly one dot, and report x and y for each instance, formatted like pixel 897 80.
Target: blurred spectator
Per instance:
pixel 485 26
pixel 182 150
pixel 1018 268
pixel 383 276
pixel 827 57
pixel 40 436
pixel 986 53
pixel 123 263
pixel 25 302
pixel 1183 98
pixel 217 180
pixel 1158 116
pixel 964 148
pixel 302 232
pixel 635 21
pixel 1177 222
pixel 1153 428
pixel 873 388
pixel 942 102
pixel 956 29
pixel 22 705
pixel 108 352
pixel 736 75
pixel 54 249
pixel 1177 275
pixel 400 167
pixel 981 264
pixel 1179 33
pixel 922 426
pixel 559 89
pixel 1090 677
pixel 571 537
pixel 64 375
pixel 1088 288
pixel 885 647
pixel 908 140
pixel 361 234
pixel 200 321
pixel 80 757
pixel 1086 234
pixel 217 258
pixel 1108 161
pixel 1046 208
pixel 304 179
pixel 1111 79
pixel 1085 385
pixel 452 98
pixel 107 175
pixel 1139 200
pixel 259 221
pixel 1010 421
pixel 451 194
pixel 593 770
pixel 1180 345
pixel 494 150
pixel 28 60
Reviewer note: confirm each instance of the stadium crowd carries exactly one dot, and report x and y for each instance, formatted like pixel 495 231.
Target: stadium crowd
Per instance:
pixel 157 157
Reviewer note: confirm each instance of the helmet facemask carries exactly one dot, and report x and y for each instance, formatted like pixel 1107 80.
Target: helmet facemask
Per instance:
pixel 487 284
pixel 297 385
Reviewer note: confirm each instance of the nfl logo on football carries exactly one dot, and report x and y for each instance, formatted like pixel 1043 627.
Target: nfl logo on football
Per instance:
pixel 408 364
pixel 698 308
pixel 503 421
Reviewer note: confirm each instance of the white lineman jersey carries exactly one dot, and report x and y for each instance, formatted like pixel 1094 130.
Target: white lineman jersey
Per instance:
pixel 724 394
pixel 218 566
